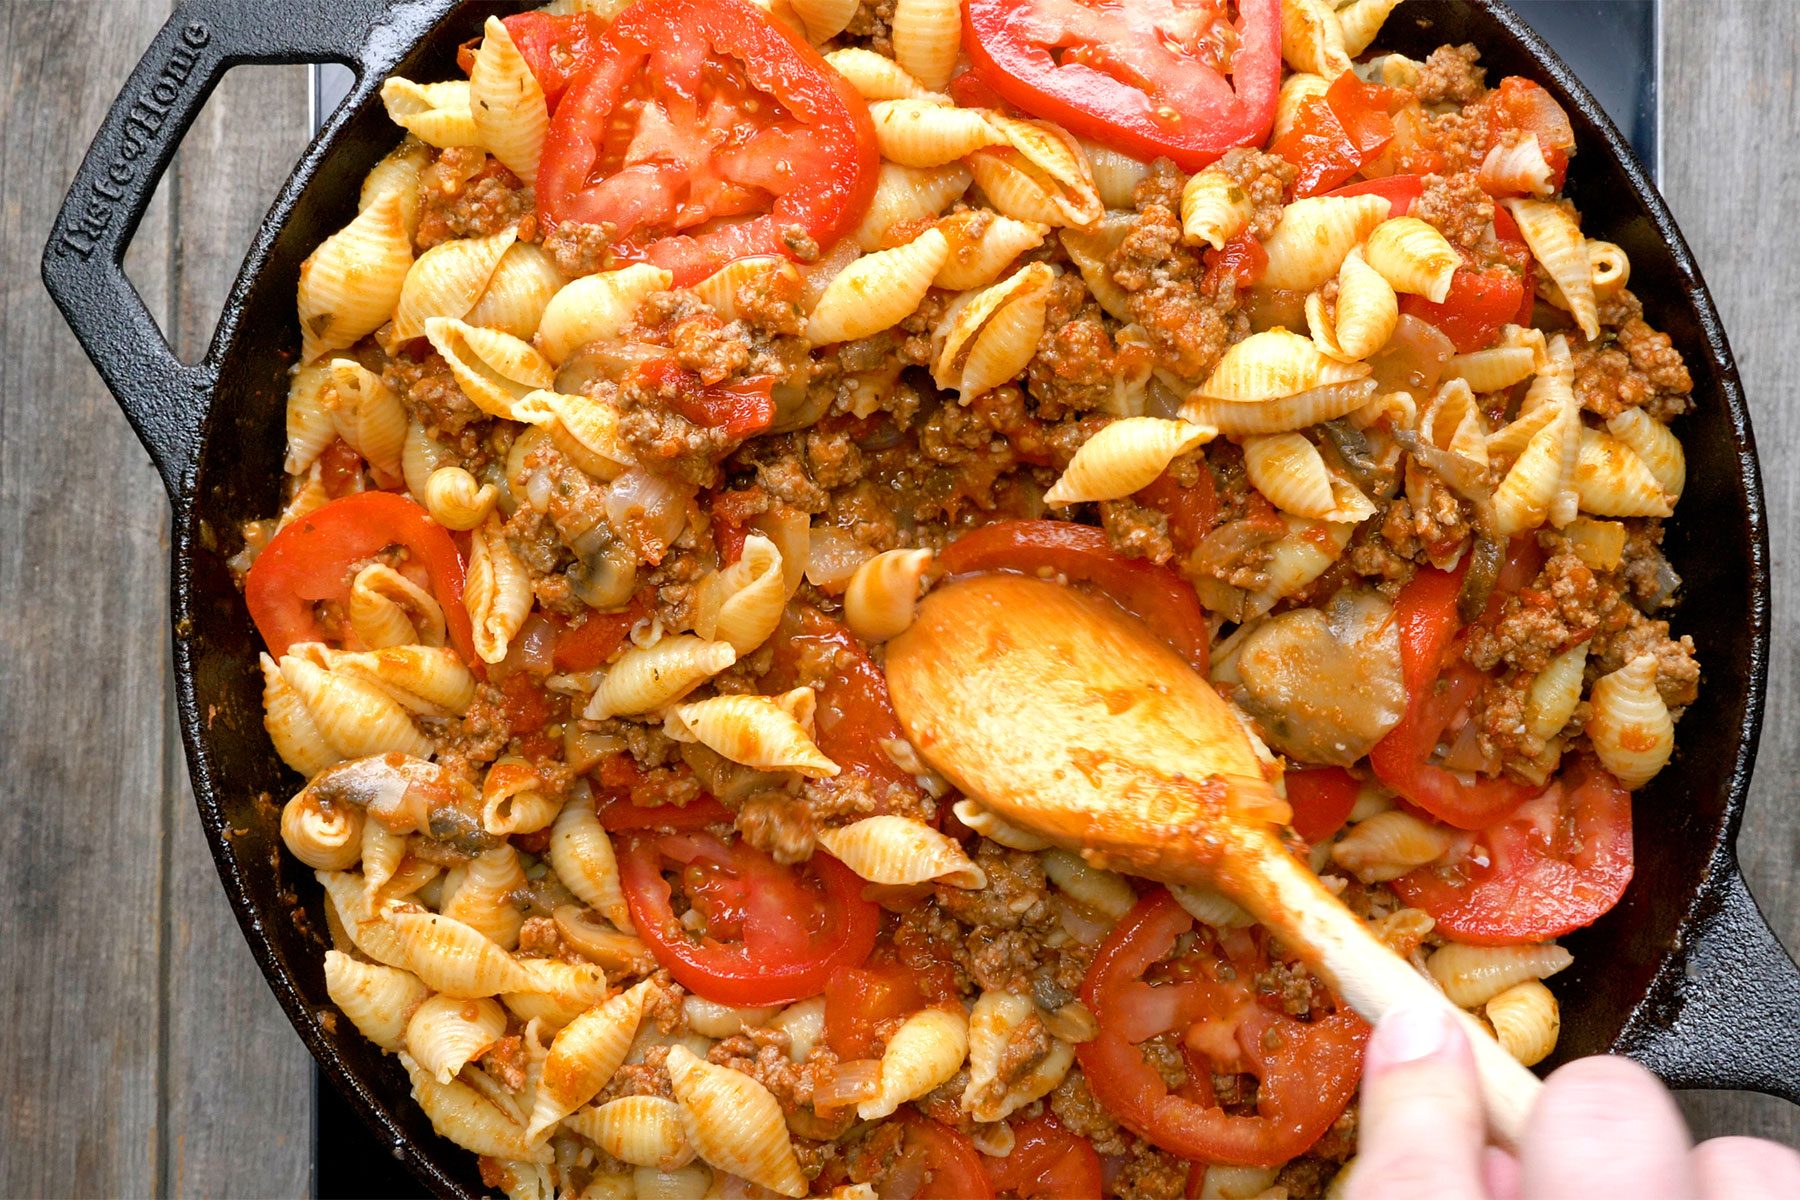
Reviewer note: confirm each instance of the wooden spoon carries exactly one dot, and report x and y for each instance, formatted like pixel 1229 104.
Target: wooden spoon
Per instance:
pixel 1070 718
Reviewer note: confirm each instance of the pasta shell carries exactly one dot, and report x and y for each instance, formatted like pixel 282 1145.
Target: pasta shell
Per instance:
pixel 1515 166
pixel 1211 907
pixel 757 731
pixel 497 591
pixel 420 455
pixel 446 1034
pixel 584 1056
pixel 877 77
pixel 447 280
pixel 355 718
pixel 494 370
pixel 920 1055
pixel 383 851
pixel 1274 364
pixel 927 34
pixel 1365 317
pixel 352 280
pixel 877 291
pixel 365 413
pixel 1389 844
pixel 1309 242
pixel 1555 693
pixel 1656 447
pixel 456 501
pixel 1123 457
pixel 929 132
pixel 1091 251
pixel 297 737
pixel 1040 175
pixel 438 114
pixel 988 337
pixel 1609 269
pixel 378 1000
pixel 998 1018
pixel 452 958
pixel 518 292
pixel 560 991
pixel 734 1123
pixel 1360 23
pixel 725 288
pixel 469 1118
pixel 1542 471
pixel 983 245
pixel 1312 39
pixel 324 835
pixel 1630 727
pixel 388 609
pixel 1614 482
pixel 429 680
pixel 884 592
pixel 1526 1021
pixel 1116 174
pixel 1296 90
pixel 506 103
pixel 484 901
pixel 397 175
pixel 692 1182
pixel 585 429
pixel 309 424
pixel 370 932
pixel 582 855
pixel 646 679
pixel 1214 208
pixel 899 851
pixel 741 603
pixel 1101 891
pixel 1288 470
pixel 513 799
pixel 1520 354
pixel 595 308
pixel 1473 975
pixel 645 1131
pixel 1556 242
pixel 995 828
pixel 1413 257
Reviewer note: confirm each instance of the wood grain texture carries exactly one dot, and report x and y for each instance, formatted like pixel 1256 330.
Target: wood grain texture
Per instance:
pixel 1731 154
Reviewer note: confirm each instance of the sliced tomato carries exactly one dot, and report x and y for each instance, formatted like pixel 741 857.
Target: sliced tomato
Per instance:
pixel 524 703
pixel 1153 78
pixel 1242 258
pixel 1192 510
pixel 859 1000
pixel 1155 595
pixel 1557 863
pixel 620 814
pixel 1322 798
pixel 315 559
pixel 970 90
pixel 1306 1070
pixel 702 131
pixel 593 642
pixel 948 1161
pixel 1520 103
pixel 740 408
pixel 555 47
pixel 772 934
pixel 732 513
pixel 854 720
pixel 1047 1163
pixel 1337 133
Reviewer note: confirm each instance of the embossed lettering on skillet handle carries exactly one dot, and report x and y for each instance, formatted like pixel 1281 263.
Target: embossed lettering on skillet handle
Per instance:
pixel 165 399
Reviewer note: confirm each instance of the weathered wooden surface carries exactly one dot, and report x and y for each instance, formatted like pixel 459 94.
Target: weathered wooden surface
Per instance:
pixel 141 1050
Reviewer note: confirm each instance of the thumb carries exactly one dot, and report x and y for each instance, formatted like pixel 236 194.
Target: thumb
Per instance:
pixel 1422 1128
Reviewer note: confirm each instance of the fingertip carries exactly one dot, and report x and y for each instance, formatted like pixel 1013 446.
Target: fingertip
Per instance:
pixel 1422 1127
pixel 1605 1126
pixel 1746 1168
pixel 1413 1034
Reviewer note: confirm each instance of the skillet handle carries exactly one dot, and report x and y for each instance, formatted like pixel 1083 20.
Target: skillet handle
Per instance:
pixel 1725 1011
pixel 166 399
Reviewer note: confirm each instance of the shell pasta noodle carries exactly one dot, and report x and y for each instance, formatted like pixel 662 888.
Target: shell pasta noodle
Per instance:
pixel 627 440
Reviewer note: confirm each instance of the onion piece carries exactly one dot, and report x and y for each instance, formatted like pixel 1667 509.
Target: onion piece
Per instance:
pixel 849 1082
pixel 1413 359
pixel 832 557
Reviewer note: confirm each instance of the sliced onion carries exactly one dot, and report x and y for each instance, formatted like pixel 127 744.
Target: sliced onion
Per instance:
pixel 849 1082
pixel 536 641
pixel 833 557
pixel 1413 359
pixel 647 510
pixel 815 277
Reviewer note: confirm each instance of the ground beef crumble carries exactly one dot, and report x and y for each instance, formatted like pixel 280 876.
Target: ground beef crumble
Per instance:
pixel 464 193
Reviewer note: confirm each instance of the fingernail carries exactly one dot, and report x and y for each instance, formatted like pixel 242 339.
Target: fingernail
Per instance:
pixel 1409 1034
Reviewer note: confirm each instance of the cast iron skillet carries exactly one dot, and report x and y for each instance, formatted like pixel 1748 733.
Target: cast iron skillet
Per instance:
pixel 1684 975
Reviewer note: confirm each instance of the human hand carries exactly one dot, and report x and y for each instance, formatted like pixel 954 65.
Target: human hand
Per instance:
pixel 1603 1128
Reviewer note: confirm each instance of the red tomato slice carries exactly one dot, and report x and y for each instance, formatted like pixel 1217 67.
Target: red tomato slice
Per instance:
pixel 773 934
pixel 854 716
pixel 556 48
pixel 702 132
pixel 1243 258
pixel 314 561
pixel 598 638
pixel 1152 78
pixel 620 814
pixel 1322 798
pixel 1559 862
pixel 1192 511
pixel 860 999
pixel 1337 133
pixel 952 1168
pixel 741 408
pixel 1306 1071
pixel 1047 1163
pixel 1155 595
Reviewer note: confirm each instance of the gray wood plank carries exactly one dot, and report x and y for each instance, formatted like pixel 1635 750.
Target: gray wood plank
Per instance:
pixel 1731 144
pixel 82 546
pixel 236 1105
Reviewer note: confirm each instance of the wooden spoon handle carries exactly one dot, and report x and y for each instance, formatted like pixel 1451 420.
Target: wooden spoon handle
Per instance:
pixel 1289 899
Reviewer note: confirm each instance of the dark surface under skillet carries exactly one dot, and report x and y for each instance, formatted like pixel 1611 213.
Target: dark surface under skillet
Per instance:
pixel 1682 974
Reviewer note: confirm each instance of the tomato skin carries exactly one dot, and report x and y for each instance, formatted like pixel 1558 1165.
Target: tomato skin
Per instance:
pixel 859 999
pixel 1153 594
pixel 740 409
pixel 821 165
pixel 310 561
pixel 620 815
pixel 524 704
pixel 1337 133
pixel 952 1163
pixel 732 513
pixel 1243 258
pixel 1322 798
pixel 1537 885
pixel 598 638
pixel 784 937
pixel 556 48
pixel 1193 511
pixel 1307 1070
pixel 1047 1163
pixel 1093 104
